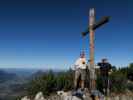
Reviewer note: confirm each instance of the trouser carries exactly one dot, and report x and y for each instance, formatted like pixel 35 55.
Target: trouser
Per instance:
pixel 80 75
pixel 105 84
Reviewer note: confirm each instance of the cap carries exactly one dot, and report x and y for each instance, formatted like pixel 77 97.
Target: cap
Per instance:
pixel 104 59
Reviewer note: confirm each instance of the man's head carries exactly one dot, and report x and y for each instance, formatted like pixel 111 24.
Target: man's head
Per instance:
pixel 82 54
pixel 104 60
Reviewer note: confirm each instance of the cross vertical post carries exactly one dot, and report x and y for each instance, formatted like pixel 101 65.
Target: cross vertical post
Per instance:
pixel 91 45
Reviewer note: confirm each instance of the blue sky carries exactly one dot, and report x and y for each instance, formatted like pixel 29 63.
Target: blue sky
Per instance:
pixel 46 33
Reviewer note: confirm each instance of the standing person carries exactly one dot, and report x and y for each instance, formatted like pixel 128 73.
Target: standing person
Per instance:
pixel 80 71
pixel 105 69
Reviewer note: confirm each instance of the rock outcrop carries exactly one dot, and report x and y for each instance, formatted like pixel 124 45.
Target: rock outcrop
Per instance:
pixel 61 95
pixel 25 98
pixel 39 96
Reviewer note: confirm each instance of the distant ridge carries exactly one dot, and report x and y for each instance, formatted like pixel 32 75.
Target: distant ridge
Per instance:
pixel 5 76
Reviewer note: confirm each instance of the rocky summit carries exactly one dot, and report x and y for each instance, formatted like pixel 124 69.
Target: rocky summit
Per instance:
pixel 61 95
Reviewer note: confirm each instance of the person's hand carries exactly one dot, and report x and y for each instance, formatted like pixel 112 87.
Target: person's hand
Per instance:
pixel 83 62
pixel 110 72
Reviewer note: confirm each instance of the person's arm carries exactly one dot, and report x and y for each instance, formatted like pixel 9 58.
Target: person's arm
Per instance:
pixel 110 68
pixel 72 67
pixel 77 63
pixel 99 64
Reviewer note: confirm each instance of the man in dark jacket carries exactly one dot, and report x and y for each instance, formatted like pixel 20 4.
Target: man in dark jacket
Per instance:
pixel 105 69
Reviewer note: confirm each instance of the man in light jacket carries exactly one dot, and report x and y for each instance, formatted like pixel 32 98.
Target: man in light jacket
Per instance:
pixel 80 71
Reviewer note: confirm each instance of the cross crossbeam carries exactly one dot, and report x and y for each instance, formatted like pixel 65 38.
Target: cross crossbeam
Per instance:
pixel 97 25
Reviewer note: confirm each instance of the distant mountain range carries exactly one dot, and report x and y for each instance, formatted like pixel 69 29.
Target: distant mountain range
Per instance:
pixel 20 71
pixel 5 76
pixel 24 72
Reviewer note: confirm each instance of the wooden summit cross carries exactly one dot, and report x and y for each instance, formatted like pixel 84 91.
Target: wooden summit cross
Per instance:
pixel 92 27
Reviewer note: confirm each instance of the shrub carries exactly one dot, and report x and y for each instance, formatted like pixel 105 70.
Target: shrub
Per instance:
pixel 118 81
pixel 51 82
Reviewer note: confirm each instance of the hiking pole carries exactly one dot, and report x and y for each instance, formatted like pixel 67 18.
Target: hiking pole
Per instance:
pixel 108 87
pixel 107 91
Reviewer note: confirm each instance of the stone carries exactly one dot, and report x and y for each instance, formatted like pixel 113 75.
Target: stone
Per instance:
pixel 39 96
pixel 25 98
pixel 67 96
